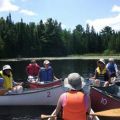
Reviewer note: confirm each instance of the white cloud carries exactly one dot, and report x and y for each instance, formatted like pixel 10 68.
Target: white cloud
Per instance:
pixel 113 21
pixel 27 12
pixel 25 0
pixel 7 5
pixel 116 8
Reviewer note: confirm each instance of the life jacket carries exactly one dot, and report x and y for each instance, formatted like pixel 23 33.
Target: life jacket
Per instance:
pixel 111 68
pixel 33 69
pixel 7 84
pixel 46 74
pixel 74 108
pixel 102 75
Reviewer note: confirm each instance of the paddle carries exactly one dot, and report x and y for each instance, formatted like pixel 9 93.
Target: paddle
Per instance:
pixel 47 116
pixel 106 113
pixel 3 91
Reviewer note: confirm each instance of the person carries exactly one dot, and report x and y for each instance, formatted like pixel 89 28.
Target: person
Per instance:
pixel 33 68
pixel 112 67
pixel 1 83
pixel 46 73
pixel 8 82
pixel 74 103
pixel 102 76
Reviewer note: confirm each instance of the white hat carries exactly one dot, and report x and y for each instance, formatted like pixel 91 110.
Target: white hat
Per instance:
pixel 46 62
pixel 111 59
pixel 74 81
pixel 7 67
pixel 101 60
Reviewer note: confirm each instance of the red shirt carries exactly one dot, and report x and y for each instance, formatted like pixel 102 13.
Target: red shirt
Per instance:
pixel 33 69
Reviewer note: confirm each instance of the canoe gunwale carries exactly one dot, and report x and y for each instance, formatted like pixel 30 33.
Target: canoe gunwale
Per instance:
pixel 31 91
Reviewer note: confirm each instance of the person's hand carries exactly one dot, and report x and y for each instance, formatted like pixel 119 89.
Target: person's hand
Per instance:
pixel 97 82
pixel 106 84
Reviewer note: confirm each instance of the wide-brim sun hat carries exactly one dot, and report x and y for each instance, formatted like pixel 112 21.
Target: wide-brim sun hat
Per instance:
pixel 74 81
pixel 46 62
pixel 101 60
pixel 7 67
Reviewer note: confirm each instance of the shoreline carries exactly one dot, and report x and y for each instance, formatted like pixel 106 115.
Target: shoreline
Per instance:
pixel 82 57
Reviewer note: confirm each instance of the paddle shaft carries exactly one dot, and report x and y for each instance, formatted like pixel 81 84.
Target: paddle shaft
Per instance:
pixel 47 116
pixel 106 113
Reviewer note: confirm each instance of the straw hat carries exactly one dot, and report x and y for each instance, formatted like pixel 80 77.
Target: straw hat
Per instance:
pixel 74 81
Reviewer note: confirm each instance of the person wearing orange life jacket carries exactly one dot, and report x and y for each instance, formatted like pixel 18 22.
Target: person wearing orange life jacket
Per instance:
pixel 33 68
pixel 75 104
pixel 102 76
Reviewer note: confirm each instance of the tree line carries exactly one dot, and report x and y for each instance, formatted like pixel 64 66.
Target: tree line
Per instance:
pixel 50 39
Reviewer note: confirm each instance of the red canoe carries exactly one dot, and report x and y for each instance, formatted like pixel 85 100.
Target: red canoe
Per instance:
pixel 44 85
pixel 104 98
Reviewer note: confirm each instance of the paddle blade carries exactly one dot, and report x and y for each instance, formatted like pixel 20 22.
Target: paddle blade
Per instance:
pixel 3 91
pixel 47 116
pixel 108 113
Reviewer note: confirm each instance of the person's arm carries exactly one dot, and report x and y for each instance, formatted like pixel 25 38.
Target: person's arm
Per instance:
pixel 116 68
pixel 27 70
pixel 55 78
pixel 60 104
pixel 39 75
pixel 88 105
pixel 108 73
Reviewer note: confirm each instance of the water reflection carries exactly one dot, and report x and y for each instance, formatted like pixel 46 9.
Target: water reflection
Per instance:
pixel 61 67
pixel 24 112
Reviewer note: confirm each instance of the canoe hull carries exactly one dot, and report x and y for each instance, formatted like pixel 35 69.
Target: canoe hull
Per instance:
pixel 40 96
pixel 102 101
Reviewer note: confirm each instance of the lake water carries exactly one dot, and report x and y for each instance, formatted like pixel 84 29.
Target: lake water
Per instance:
pixel 61 69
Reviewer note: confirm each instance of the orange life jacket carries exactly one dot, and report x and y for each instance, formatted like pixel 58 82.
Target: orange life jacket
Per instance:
pixel 74 108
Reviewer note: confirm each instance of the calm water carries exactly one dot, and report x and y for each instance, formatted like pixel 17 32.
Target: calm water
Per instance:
pixel 61 69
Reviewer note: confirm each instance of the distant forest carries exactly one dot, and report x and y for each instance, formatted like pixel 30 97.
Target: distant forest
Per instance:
pixel 50 39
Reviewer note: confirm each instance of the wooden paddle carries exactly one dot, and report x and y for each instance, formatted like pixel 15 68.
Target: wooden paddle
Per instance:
pixel 106 113
pixel 47 116
pixel 3 91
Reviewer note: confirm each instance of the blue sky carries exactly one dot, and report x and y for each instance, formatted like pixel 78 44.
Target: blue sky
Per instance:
pixel 70 13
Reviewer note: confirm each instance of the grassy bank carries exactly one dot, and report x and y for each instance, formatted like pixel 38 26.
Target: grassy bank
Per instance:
pixel 84 57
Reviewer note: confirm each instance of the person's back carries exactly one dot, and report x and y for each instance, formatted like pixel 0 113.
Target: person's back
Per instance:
pixel 74 104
